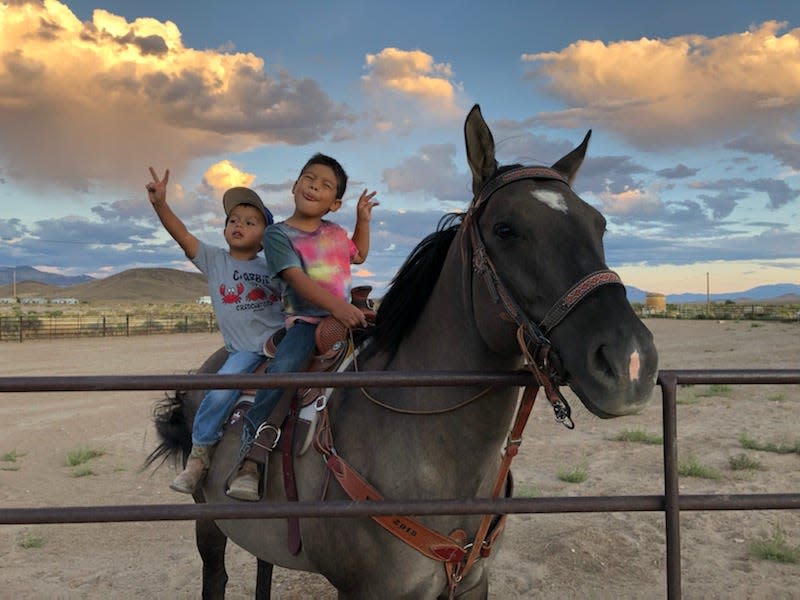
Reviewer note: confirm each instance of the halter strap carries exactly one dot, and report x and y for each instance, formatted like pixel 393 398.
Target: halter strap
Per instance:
pixel 515 174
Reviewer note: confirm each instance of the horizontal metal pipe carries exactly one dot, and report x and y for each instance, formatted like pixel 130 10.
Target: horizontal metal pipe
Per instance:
pixel 732 376
pixel 250 381
pixel 366 378
pixel 269 510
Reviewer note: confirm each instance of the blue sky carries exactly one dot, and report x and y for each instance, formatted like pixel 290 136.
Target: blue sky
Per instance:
pixel 694 106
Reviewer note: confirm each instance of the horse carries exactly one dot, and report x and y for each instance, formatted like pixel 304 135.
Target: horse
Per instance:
pixel 517 281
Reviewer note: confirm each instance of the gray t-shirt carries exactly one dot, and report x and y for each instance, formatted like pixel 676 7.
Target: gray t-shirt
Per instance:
pixel 246 301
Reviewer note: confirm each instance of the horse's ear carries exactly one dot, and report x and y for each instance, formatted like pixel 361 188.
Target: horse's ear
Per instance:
pixel 569 164
pixel 480 149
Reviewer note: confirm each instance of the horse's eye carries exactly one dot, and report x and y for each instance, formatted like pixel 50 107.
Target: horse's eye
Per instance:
pixel 503 231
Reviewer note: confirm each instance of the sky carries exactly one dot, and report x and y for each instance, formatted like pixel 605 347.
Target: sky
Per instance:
pixel 694 106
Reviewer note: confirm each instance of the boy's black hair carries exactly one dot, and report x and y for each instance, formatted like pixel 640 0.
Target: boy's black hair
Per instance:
pixel 338 170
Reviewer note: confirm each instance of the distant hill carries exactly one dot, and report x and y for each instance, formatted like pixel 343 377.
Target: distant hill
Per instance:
pixel 781 292
pixel 142 285
pixel 132 286
pixel 30 274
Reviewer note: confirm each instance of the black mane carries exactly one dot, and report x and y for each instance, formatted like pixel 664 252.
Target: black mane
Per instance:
pixel 412 285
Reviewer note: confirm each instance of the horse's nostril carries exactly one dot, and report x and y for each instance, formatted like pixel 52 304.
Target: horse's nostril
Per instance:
pixel 601 363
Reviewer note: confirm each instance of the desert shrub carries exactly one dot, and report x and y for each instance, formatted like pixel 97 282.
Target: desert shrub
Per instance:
pixel 742 462
pixel 691 467
pixel 576 474
pixel 775 548
pixel 638 435
pixel 31 540
pixel 82 455
pixel 750 443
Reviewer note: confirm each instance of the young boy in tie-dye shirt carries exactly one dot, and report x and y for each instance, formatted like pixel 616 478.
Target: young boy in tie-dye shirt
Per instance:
pixel 312 256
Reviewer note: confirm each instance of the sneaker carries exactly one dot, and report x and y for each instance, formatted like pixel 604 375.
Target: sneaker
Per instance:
pixel 245 485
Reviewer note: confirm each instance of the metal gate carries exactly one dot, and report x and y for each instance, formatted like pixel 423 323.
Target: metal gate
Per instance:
pixel 671 503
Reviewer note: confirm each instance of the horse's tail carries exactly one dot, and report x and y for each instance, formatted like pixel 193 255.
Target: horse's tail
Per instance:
pixel 172 426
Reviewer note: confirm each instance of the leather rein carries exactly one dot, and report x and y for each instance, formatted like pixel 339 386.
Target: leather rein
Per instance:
pixel 452 550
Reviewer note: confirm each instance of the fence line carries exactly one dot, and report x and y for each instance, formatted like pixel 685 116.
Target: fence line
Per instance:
pixel 33 326
pixel 671 503
pixel 19 328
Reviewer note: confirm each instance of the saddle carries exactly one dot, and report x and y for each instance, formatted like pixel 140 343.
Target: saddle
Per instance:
pixel 334 344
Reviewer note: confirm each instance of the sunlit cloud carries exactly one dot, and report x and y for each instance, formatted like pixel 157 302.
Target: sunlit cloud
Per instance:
pixel 91 101
pixel 224 174
pixel 631 202
pixel 681 90
pixel 407 87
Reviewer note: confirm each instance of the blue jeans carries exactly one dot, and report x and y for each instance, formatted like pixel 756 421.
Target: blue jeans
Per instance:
pixel 292 352
pixel 217 404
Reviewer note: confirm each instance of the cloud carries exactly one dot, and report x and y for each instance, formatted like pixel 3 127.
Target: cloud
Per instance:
pixel 82 102
pixel 679 171
pixel 631 202
pixel 779 146
pixel 407 87
pixel 223 175
pixel 683 90
pixel 777 191
pixel 432 173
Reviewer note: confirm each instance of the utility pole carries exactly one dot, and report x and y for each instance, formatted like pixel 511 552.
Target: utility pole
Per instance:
pixel 708 295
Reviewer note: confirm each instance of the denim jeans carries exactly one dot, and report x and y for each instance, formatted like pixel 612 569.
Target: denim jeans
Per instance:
pixel 292 352
pixel 217 404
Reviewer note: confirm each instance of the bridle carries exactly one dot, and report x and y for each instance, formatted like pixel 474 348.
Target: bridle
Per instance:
pixel 531 336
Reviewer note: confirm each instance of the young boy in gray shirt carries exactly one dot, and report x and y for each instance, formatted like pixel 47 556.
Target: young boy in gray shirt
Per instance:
pixel 246 301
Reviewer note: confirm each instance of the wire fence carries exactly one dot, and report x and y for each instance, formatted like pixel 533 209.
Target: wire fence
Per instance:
pixel 19 328
pixel 724 312
pixel 33 326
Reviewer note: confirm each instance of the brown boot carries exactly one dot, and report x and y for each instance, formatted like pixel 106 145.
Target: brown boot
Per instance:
pixel 245 485
pixel 196 467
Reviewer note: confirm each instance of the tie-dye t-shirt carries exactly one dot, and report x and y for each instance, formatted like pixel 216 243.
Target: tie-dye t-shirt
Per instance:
pixel 325 256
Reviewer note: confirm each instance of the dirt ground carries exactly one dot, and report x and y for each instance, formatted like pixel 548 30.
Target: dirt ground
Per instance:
pixel 611 555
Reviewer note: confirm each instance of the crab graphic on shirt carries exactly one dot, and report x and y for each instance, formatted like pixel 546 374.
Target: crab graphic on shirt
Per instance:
pixel 256 294
pixel 231 295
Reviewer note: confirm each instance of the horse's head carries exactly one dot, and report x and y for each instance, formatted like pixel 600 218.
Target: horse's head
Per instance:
pixel 538 270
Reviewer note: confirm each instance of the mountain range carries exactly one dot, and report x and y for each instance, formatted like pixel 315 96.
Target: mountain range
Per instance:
pixel 172 285
pixel 154 285
pixel 20 274
pixel 778 293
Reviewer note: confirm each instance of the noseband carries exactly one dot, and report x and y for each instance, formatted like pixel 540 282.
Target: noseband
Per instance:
pixel 532 337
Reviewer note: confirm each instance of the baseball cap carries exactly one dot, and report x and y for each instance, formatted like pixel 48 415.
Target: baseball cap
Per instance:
pixel 242 195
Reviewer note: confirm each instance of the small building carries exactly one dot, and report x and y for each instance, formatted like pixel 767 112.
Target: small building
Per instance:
pixel 8 300
pixel 64 301
pixel 34 300
pixel 655 303
pixel 203 300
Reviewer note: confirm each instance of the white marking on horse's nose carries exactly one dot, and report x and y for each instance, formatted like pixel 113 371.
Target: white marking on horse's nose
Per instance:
pixel 552 199
pixel 633 366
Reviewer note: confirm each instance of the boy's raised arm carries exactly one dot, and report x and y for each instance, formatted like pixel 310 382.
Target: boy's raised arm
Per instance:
pixel 361 232
pixel 157 194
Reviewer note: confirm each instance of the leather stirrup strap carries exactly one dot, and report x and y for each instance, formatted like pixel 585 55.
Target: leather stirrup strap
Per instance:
pixel 293 541
pixel 427 541
pixel 481 546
